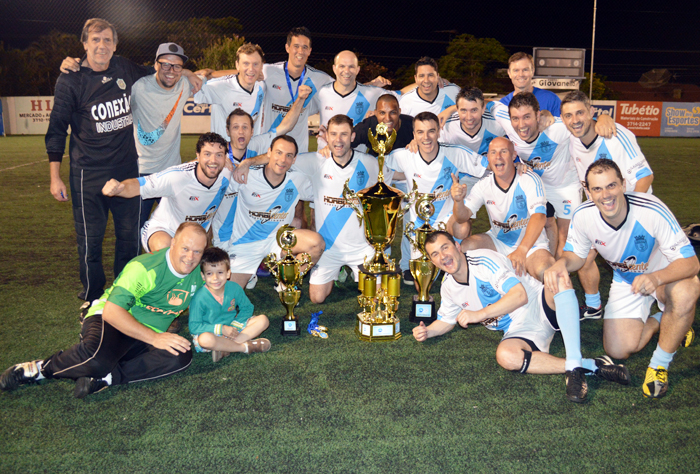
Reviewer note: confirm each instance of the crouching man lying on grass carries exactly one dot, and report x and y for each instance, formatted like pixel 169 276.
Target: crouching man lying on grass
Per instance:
pixel 482 287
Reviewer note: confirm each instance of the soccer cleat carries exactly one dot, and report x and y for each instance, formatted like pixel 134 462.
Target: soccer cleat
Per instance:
pixel 252 282
pixel 263 271
pixel 343 275
pixel 591 313
pixel 20 374
pixel 84 308
pixel 407 277
pixel 688 339
pixel 84 386
pixel 576 385
pixel 612 372
pixel 655 383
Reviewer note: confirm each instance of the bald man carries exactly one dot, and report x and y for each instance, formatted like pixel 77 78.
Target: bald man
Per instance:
pixel 345 95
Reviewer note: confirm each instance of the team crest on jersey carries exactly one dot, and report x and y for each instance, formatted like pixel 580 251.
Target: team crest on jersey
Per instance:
pixel 602 156
pixel 176 297
pixel 106 79
pixel 288 194
pixel 640 242
pixel 546 146
pixel 361 178
pixel 121 84
pixel 360 108
pixel 487 291
pixel 446 172
pixel 519 202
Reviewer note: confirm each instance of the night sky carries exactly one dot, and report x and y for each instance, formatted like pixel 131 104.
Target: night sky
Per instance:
pixel 631 37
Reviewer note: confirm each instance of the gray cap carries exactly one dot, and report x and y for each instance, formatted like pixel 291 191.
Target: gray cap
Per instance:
pixel 171 48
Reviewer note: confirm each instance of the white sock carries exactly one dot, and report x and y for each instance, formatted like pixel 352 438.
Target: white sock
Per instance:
pixel 108 379
pixel 39 363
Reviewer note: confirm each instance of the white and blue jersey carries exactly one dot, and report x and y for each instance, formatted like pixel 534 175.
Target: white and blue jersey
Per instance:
pixel 222 224
pixel 454 134
pixel 183 197
pixel 622 149
pixel 336 221
pixel 355 104
pixel 412 103
pixel 435 177
pixel 648 239
pixel 261 208
pixel 509 209
pixel 278 99
pixel 548 100
pixel 225 94
pixel 547 155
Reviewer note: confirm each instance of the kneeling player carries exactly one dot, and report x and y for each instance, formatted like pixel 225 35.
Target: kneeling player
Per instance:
pixel 221 315
pixel 484 282
pixel 651 258
pixel 265 203
pixel 516 205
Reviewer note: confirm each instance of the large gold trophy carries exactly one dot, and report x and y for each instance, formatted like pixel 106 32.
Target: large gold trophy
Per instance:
pixel 289 273
pixel 422 269
pixel 379 281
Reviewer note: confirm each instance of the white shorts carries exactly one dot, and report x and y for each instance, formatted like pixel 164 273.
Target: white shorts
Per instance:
pixel 533 325
pixel 246 258
pixel 151 227
pixel 622 303
pixel 328 266
pixel 504 249
pixel 564 199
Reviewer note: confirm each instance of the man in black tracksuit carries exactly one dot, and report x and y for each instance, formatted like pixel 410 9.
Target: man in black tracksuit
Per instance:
pixel 95 102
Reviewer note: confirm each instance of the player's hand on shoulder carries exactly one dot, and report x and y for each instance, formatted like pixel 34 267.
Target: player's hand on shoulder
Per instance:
pixel 445 114
pixel 458 191
pixel 605 126
pixel 195 81
pixel 70 65
pixel 412 146
pixel 420 332
pixel 325 151
pixel 521 168
pixel 379 81
pixel 546 120
pixel 206 73
pixel 170 342
pixel 322 132
pixel 240 173
pixel 112 188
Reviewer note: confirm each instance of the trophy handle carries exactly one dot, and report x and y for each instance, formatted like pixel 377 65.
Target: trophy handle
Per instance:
pixel 304 259
pixel 350 197
pixel 408 232
pixel 271 263
pixel 411 197
pixel 442 226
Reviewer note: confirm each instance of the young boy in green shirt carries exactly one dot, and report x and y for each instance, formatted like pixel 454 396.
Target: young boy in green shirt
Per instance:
pixel 221 315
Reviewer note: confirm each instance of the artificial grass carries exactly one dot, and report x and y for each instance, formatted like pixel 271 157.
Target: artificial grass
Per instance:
pixel 312 405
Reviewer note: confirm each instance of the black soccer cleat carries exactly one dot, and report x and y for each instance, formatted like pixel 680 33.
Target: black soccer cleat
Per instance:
pixel 20 374
pixel 576 385
pixel 84 386
pixel 612 372
pixel 590 313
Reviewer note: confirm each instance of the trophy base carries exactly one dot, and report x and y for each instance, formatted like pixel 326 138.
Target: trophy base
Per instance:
pixel 375 332
pixel 422 310
pixel 290 327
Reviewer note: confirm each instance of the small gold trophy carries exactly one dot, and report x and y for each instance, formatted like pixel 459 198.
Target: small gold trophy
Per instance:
pixel 288 272
pixel 379 281
pixel 422 268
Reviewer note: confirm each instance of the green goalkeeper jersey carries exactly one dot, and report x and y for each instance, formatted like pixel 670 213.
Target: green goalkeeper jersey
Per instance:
pixel 151 290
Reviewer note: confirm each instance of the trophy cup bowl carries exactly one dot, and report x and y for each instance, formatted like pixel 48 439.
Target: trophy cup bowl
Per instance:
pixel 289 273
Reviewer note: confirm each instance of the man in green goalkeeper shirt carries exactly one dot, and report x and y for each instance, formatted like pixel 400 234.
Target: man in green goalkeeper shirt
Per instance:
pixel 124 338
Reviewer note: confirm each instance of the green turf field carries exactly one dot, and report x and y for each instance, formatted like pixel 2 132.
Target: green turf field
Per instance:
pixel 312 405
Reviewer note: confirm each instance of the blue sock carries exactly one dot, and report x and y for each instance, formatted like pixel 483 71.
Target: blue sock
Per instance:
pixel 593 301
pixel 657 316
pixel 590 365
pixel 567 319
pixel 661 358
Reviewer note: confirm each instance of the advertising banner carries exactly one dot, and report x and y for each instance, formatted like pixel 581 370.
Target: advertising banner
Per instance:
pixel 607 107
pixel 680 119
pixel 641 118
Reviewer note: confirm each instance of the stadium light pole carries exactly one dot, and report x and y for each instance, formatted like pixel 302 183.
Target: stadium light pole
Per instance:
pixel 590 76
